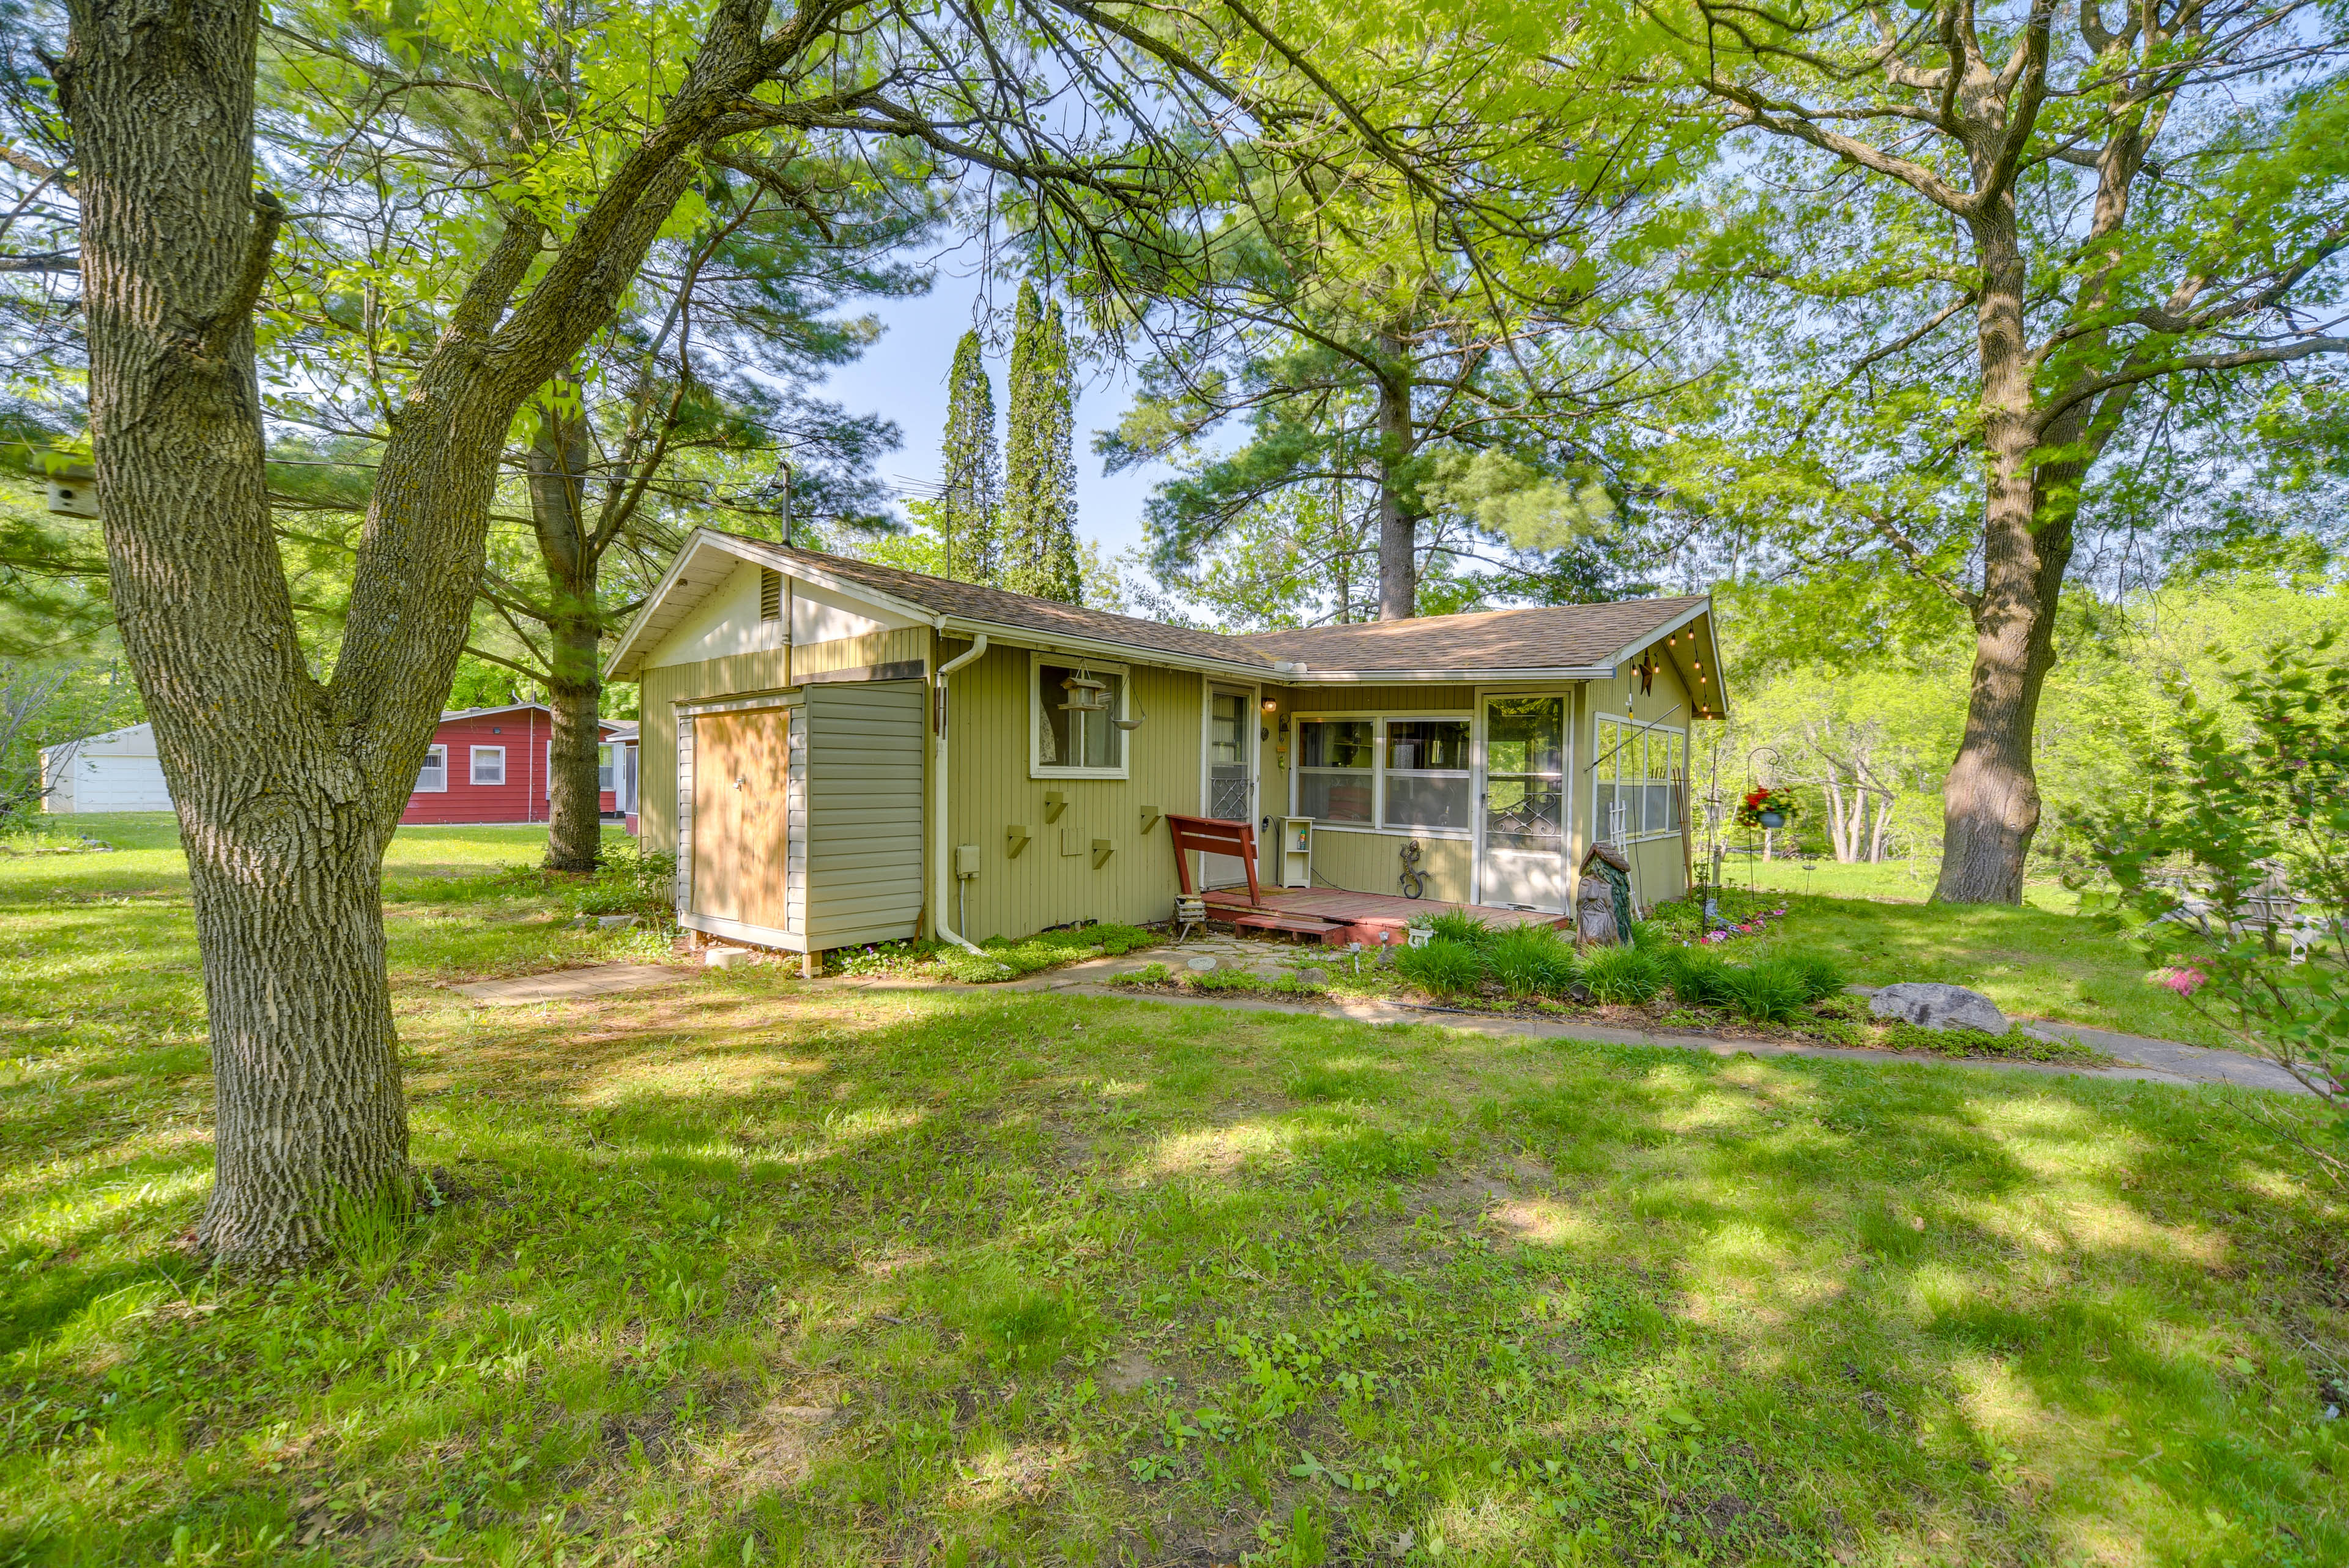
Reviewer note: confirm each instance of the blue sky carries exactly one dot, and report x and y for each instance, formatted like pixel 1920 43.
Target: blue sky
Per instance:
pixel 904 377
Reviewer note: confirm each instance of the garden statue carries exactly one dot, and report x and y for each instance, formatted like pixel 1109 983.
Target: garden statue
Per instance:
pixel 1602 907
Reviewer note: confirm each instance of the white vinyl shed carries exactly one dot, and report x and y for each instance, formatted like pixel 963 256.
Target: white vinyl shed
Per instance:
pixel 116 770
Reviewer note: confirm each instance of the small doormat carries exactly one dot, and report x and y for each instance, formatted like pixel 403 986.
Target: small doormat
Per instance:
pixel 567 984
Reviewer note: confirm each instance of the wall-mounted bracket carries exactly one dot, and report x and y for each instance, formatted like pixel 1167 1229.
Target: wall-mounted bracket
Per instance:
pixel 1055 802
pixel 1014 839
pixel 1150 815
pixel 1103 850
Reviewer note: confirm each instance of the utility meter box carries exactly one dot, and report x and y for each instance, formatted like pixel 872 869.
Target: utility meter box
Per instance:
pixel 966 860
pixel 1297 852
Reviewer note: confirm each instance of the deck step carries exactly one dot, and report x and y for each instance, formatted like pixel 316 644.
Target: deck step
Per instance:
pixel 1321 931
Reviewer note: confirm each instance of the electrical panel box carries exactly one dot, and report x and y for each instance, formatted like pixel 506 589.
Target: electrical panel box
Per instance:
pixel 1296 851
pixel 966 860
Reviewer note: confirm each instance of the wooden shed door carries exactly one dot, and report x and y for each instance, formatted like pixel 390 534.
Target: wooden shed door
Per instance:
pixel 740 832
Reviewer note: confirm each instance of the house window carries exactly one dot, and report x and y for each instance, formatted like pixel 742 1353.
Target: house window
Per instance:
pixel 1427 777
pixel 489 765
pixel 432 778
pixel 1635 791
pixel 604 769
pixel 1336 781
pixel 1076 709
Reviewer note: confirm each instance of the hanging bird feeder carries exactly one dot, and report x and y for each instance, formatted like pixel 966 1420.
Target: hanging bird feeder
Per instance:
pixel 1086 695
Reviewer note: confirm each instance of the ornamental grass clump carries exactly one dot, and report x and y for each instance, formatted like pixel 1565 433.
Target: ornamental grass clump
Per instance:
pixel 1532 961
pixel 1822 977
pixel 1771 992
pixel 1623 975
pixel 1460 926
pixel 1442 968
pixel 1698 978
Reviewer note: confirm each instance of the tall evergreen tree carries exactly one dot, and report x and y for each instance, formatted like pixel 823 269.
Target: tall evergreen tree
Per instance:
pixel 974 477
pixel 1040 502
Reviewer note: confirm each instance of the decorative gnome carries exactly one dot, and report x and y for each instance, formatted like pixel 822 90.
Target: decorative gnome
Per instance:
pixel 1602 908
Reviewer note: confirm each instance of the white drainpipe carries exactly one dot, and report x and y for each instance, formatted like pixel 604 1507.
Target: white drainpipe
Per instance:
pixel 938 807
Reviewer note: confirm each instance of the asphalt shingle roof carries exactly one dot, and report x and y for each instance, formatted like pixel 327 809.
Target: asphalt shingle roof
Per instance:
pixel 1538 637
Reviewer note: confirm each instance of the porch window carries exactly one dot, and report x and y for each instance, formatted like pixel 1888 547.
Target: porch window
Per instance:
pixel 1428 780
pixel 1635 790
pixel 1335 776
pixel 432 778
pixel 1076 709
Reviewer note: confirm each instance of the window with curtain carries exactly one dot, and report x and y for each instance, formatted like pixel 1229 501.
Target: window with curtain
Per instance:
pixel 489 765
pixel 433 776
pixel 1070 737
pixel 1428 780
pixel 604 772
pixel 1336 778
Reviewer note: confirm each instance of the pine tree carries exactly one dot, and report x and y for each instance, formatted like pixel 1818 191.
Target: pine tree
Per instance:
pixel 1039 503
pixel 967 506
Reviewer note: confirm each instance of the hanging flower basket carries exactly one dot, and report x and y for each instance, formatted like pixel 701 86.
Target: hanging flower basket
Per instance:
pixel 1767 808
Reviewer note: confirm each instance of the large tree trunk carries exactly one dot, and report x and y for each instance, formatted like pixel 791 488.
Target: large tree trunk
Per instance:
pixel 282 833
pixel 1990 798
pixel 558 465
pixel 287 790
pixel 1398 529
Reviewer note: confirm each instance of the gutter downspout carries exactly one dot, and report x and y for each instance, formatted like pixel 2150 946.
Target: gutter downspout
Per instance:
pixel 938 791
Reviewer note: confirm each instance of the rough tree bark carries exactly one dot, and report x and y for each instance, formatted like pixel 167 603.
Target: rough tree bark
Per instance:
pixel 568 550
pixel 1398 529
pixel 288 788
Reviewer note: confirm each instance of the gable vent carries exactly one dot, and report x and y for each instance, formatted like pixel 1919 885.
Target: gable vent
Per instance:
pixel 771 594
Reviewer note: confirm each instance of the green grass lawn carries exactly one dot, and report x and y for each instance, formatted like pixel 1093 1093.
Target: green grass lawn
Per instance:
pixel 1906 881
pixel 752 1272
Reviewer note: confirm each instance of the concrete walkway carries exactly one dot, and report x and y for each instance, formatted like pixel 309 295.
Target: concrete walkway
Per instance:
pixel 2142 1059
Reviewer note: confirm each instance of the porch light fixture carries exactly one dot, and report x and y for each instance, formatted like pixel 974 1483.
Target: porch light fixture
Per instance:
pixel 1272 704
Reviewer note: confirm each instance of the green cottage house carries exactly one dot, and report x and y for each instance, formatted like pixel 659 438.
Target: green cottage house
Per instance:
pixel 840 753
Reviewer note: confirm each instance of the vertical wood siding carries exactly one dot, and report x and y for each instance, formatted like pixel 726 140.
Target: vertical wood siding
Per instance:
pixel 763 671
pixel 988 790
pixel 1379 698
pixel 1372 863
pixel 864 798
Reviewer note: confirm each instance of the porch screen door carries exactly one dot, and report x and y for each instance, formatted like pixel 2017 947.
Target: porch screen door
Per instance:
pixel 1525 802
pixel 1231 781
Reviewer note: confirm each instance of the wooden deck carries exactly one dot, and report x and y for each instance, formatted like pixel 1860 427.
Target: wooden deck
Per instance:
pixel 1335 917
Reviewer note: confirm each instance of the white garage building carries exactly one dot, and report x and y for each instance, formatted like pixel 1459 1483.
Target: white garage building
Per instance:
pixel 116 770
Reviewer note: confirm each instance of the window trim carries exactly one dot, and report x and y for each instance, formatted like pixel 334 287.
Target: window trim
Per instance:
pixel 439 749
pixel 1377 770
pixel 1036 767
pixel 474 767
pixel 1600 723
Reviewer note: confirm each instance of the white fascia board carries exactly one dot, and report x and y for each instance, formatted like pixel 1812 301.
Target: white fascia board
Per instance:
pixel 748 550
pixel 1703 607
pixel 1101 647
pixel 619 667
pixel 1479 677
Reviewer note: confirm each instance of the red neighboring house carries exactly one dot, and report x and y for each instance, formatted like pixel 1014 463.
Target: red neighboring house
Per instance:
pixel 493 765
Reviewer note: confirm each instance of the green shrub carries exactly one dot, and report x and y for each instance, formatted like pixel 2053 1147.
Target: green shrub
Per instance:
pixel 1460 926
pixel 1771 992
pixel 1148 974
pixel 1623 974
pixel 1822 977
pixel 1532 961
pixel 1442 968
pixel 1698 978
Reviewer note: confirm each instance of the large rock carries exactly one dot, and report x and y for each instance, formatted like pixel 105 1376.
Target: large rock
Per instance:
pixel 1933 1005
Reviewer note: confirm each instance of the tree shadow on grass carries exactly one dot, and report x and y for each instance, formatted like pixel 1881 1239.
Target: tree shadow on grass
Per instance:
pixel 945 1277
